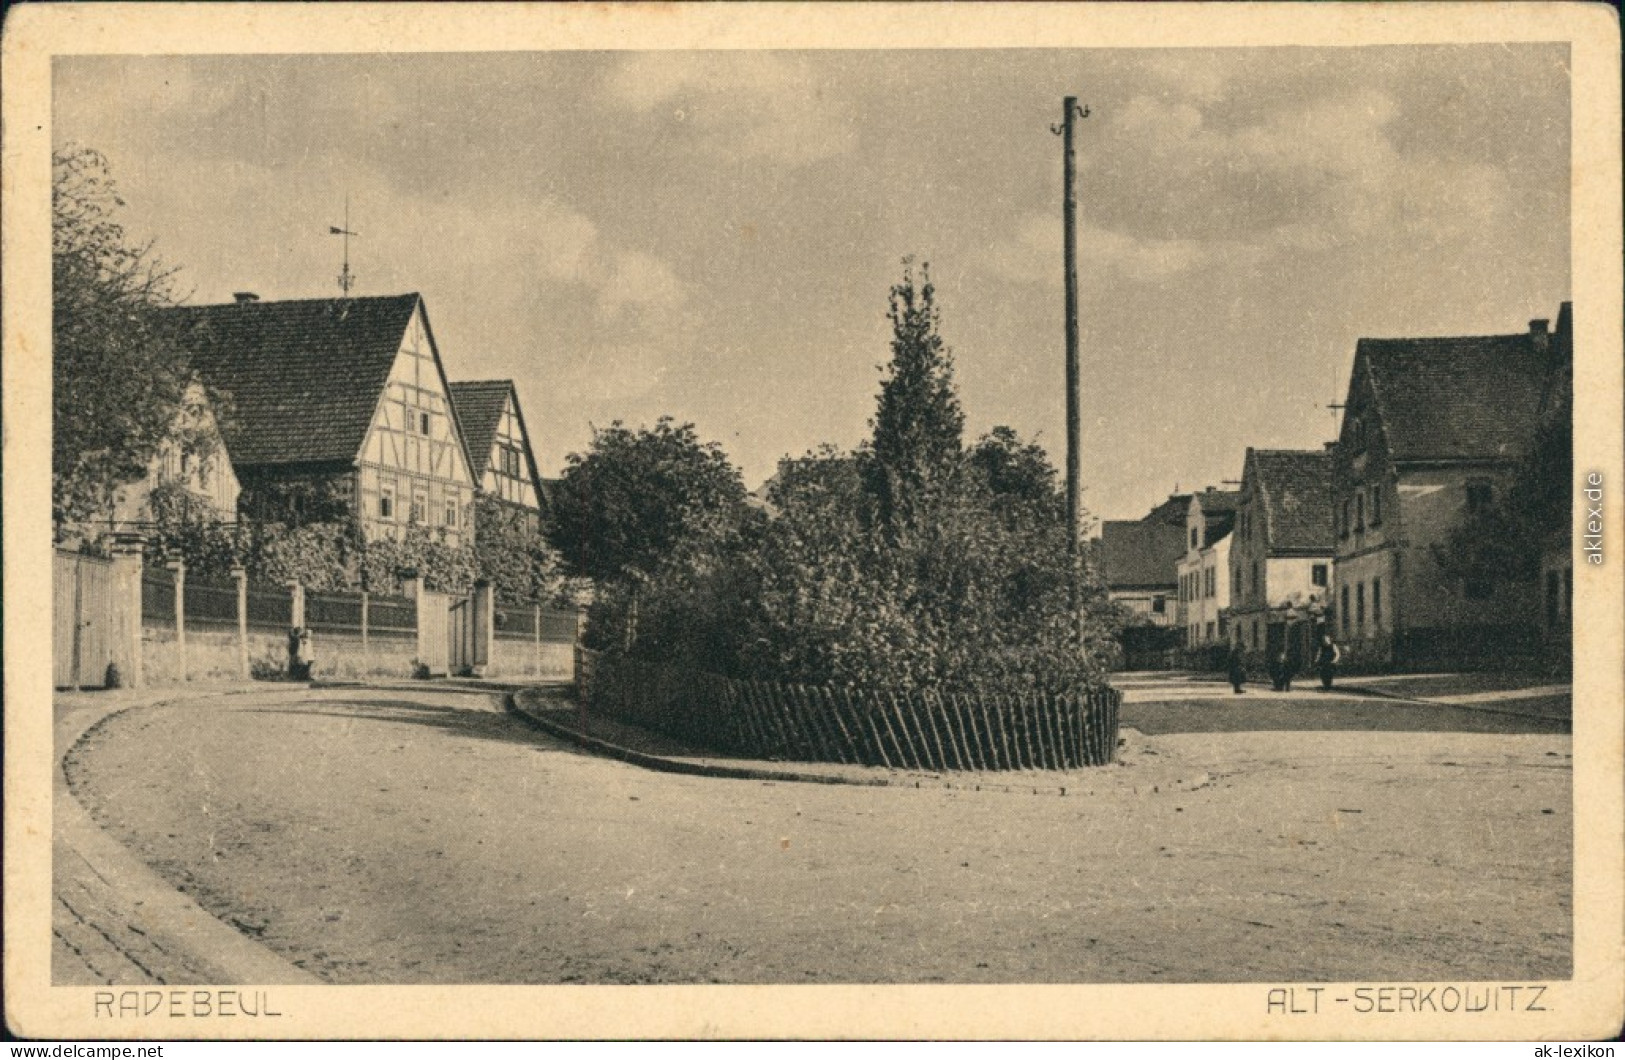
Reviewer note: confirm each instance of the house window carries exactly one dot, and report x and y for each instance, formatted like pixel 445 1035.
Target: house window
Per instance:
pixel 1359 512
pixel 1376 505
pixel 451 513
pixel 1480 494
pixel 1359 606
pixel 1213 581
pixel 1255 580
pixel 1193 538
pixel 1317 574
pixel 1344 610
pixel 1357 434
pixel 1159 604
pixel 1376 603
pixel 1347 520
pixel 423 423
pixel 1210 631
pixel 420 504
pixel 510 461
pixel 386 501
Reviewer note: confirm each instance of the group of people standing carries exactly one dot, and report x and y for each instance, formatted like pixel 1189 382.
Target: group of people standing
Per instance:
pixel 1285 662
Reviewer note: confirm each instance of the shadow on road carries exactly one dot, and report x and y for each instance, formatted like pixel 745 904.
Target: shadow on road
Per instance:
pixel 455 721
pixel 1256 714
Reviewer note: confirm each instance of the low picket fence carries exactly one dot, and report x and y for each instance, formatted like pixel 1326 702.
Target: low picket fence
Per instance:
pixel 823 723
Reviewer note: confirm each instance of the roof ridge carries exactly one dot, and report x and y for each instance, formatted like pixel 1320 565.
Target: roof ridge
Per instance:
pixel 258 302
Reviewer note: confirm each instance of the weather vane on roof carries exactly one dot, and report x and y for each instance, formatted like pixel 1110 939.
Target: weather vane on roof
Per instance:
pixel 346 277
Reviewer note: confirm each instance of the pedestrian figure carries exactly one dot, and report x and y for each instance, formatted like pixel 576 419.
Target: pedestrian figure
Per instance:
pixel 1279 677
pixel 1294 663
pixel 1237 666
pixel 1326 658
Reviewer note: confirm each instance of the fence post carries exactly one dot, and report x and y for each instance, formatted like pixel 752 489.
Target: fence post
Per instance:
pixel 241 577
pixel 178 567
pixel 366 649
pixel 127 564
pixel 296 604
pixel 483 618
pixel 536 624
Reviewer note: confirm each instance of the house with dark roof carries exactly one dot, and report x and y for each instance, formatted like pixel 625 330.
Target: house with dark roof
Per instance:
pixel 503 463
pixel 1138 559
pixel 1281 555
pixel 1433 430
pixel 1204 569
pixel 338 409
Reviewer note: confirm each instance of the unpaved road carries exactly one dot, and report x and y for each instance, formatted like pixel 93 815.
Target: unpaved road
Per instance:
pixel 426 837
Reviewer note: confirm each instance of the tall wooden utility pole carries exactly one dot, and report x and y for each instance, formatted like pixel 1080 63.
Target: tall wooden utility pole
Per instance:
pixel 1074 414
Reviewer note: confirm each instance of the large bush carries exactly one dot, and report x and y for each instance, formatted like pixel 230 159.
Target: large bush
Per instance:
pixel 912 563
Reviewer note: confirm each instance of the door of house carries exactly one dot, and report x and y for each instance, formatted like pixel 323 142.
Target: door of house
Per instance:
pixel 82 620
pixel 432 638
pixel 460 635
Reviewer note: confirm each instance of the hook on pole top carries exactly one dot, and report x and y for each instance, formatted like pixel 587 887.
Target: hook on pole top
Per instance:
pixel 1073 109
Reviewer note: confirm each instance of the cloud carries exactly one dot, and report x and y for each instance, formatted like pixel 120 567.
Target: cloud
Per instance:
pixel 745 105
pixel 1034 254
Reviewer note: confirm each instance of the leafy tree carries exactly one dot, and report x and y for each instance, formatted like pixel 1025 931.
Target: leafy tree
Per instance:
pixel 918 423
pixel 636 496
pixel 119 375
pixel 1506 539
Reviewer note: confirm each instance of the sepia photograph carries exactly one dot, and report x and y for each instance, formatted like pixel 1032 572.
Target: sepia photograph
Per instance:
pixel 606 511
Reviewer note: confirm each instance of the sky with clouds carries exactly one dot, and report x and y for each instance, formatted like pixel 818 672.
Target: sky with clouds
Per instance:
pixel 712 235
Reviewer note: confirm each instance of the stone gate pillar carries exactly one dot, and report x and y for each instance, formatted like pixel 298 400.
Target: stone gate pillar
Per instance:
pixel 127 569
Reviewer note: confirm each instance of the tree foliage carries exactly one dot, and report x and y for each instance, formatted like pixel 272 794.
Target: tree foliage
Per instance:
pixel 513 554
pixel 911 563
pixel 918 421
pixel 119 375
pixel 637 496
pixel 1507 538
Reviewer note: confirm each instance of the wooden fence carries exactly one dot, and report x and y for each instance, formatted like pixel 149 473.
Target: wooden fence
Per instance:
pixel 760 719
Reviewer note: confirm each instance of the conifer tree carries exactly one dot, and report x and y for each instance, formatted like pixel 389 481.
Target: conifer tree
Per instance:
pixel 918 424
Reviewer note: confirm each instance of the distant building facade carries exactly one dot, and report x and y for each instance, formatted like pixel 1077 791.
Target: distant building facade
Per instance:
pixel 1139 559
pixel 193 459
pixel 1280 559
pixel 340 411
pixel 1433 431
pixel 1204 570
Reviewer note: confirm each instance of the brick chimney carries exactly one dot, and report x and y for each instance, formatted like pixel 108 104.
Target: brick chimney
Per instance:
pixel 249 297
pixel 1540 337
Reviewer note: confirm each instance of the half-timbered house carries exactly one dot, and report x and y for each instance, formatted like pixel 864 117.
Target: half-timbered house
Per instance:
pixel 503 463
pixel 340 409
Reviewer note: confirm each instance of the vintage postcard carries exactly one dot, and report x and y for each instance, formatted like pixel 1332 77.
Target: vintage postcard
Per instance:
pixel 814 521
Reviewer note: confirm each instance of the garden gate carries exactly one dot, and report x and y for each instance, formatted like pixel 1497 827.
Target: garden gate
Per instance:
pixel 84 636
pixel 433 632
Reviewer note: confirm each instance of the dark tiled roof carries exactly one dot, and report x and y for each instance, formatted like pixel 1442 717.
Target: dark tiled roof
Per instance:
pixel 1219 502
pixel 1141 554
pixel 1173 510
pixel 479 408
pixel 1456 398
pixel 1297 489
pixel 304 377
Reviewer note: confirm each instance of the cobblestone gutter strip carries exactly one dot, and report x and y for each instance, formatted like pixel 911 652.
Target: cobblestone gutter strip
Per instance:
pixel 553 727
pixel 116 921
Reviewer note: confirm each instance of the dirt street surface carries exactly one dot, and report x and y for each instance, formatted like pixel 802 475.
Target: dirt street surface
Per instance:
pixel 428 837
